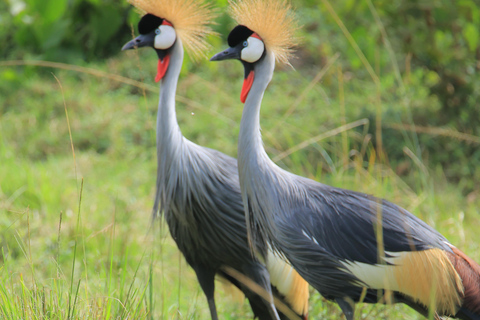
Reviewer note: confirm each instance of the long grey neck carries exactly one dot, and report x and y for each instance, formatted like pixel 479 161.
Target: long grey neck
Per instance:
pixel 251 151
pixel 169 137
pixel 168 131
pixel 259 177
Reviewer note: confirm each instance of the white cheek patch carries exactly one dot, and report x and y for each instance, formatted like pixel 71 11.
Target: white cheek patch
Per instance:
pixel 253 51
pixel 166 38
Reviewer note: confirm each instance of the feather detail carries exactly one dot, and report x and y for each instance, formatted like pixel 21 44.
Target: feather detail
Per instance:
pixel 435 275
pixel 272 20
pixel 289 283
pixel 190 18
pixel 469 271
pixel 417 274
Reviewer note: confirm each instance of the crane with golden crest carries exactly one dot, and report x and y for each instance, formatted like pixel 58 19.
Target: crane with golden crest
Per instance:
pixel 197 188
pixel 350 246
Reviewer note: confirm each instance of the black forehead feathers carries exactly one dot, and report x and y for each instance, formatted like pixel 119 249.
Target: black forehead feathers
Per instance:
pixel 148 23
pixel 239 34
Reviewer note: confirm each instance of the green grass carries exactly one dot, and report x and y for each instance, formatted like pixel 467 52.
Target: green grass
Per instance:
pixel 75 229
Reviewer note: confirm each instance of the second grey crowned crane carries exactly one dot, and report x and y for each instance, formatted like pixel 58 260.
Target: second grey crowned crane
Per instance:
pixel 349 246
pixel 197 188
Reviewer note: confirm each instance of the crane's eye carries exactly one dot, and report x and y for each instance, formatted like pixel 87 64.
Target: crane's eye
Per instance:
pixel 165 37
pixel 253 50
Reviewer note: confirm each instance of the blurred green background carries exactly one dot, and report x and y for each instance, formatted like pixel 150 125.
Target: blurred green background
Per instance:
pixel 383 98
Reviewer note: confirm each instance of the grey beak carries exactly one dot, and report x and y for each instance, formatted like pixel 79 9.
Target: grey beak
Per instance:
pixel 230 53
pixel 143 40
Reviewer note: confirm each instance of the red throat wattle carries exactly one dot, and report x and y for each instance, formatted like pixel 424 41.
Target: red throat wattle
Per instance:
pixel 247 85
pixel 162 67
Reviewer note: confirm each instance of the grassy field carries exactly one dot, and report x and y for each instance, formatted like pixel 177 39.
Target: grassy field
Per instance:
pixel 77 172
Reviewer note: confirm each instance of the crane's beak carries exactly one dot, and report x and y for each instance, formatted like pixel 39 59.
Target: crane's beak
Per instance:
pixel 235 53
pixel 143 40
pixel 230 53
pixel 148 40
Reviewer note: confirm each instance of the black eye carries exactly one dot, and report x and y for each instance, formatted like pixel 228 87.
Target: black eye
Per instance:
pixel 157 31
pixel 245 43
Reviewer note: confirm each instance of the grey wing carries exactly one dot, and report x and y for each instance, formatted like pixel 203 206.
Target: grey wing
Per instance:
pixel 316 264
pixel 347 222
pixel 336 225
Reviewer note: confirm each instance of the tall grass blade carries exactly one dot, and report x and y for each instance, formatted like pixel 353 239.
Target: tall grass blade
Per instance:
pixel 75 251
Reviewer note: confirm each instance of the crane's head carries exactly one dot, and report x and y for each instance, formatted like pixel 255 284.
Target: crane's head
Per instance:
pixel 263 25
pixel 165 21
pixel 159 34
pixel 248 47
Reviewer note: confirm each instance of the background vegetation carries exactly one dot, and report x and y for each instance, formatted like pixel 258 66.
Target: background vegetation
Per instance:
pixel 383 99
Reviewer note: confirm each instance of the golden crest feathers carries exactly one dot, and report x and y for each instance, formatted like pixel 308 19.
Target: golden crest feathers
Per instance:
pixel 272 20
pixel 190 18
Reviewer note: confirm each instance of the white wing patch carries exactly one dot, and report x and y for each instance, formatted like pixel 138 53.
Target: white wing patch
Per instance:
pixel 425 276
pixel 375 276
pixel 288 282
pixel 280 272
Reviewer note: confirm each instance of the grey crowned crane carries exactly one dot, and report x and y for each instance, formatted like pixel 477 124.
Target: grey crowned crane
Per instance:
pixel 197 188
pixel 329 234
